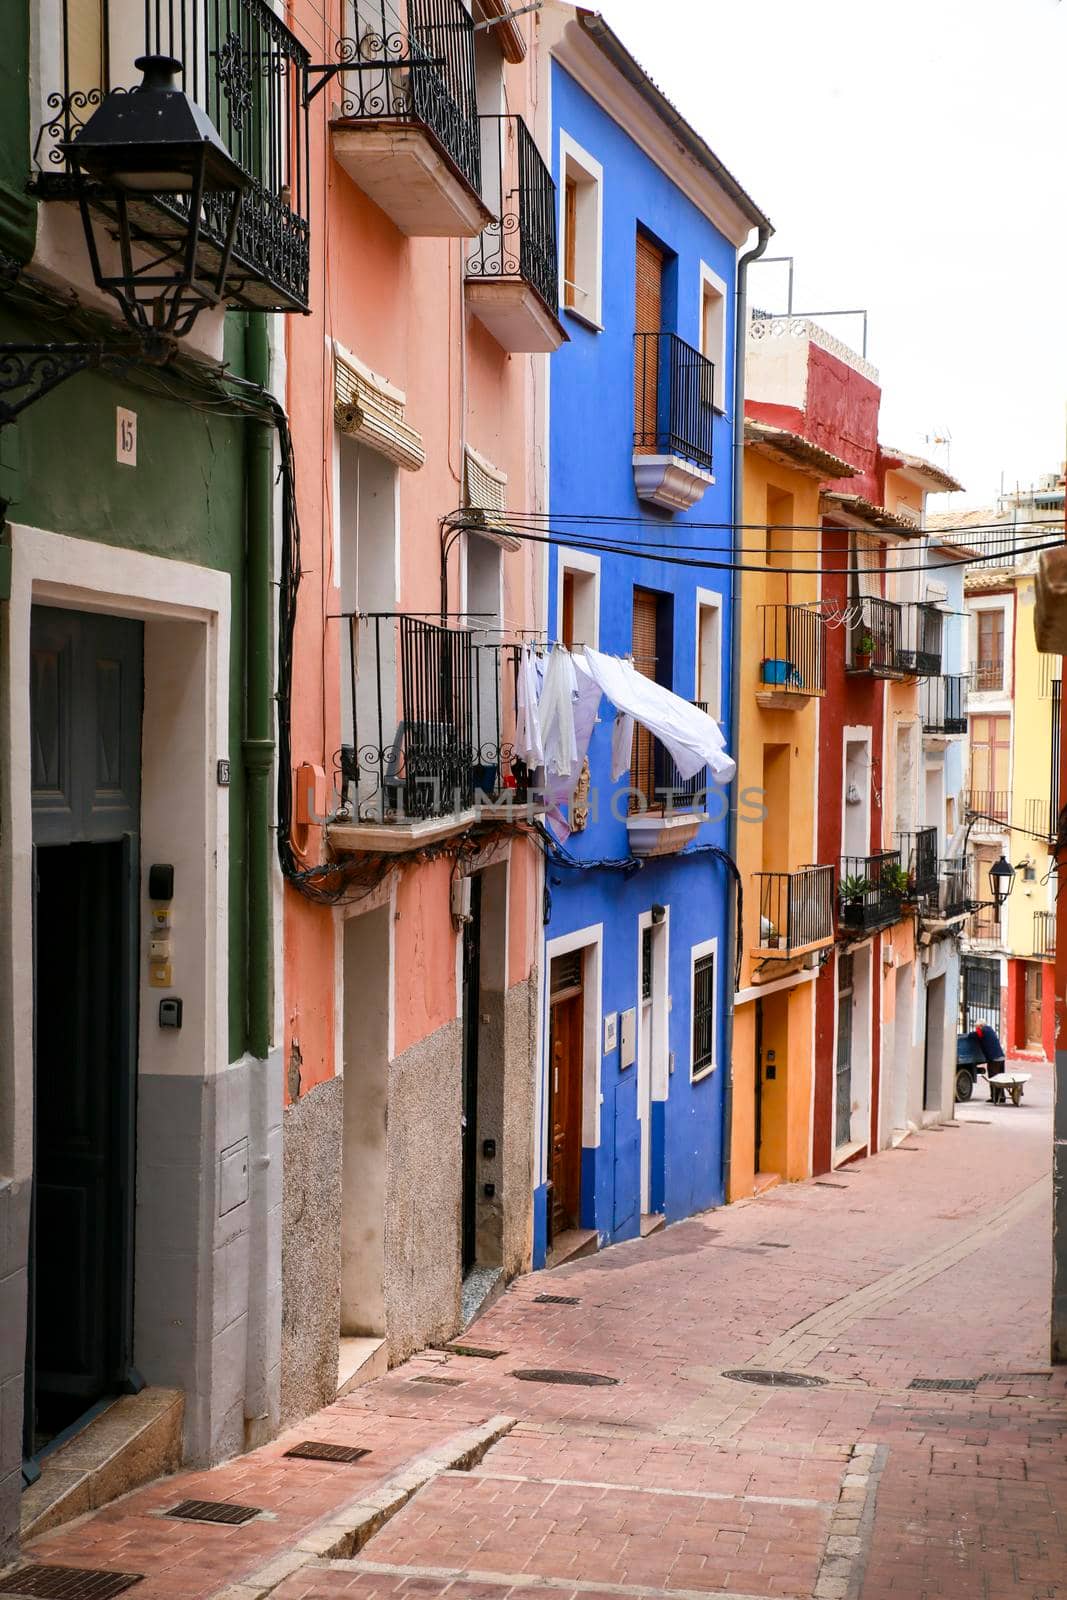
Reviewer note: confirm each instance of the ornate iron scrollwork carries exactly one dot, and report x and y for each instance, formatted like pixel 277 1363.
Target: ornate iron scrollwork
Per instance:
pixel 30 371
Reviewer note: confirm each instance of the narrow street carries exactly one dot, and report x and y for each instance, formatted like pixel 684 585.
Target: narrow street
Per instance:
pixel 926 1458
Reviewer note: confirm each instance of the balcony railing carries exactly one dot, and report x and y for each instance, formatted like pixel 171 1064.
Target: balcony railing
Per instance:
pixel 1044 935
pixel 984 926
pixel 944 704
pixel 519 189
pixel 919 650
pixel 413 62
pixel 674 393
pixel 242 65
pixel 952 898
pixel 991 805
pixel 871 889
pixel 655 780
pixel 918 857
pixel 987 677
pixel 428 714
pixel 796 911
pixel 874 637
pixel 794 650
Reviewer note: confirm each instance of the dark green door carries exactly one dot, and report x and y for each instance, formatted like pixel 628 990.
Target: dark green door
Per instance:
pixel 472 940
pixel 86 682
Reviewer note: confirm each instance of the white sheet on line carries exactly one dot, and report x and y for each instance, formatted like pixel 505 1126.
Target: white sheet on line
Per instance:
pixel 693 739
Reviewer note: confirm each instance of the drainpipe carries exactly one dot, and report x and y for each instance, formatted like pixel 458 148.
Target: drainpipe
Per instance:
pixel 257 747
pixel 736 543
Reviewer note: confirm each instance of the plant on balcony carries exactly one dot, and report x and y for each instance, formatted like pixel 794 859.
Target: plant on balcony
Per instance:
pixel 895 881
pixel 853 889
pixel 864 649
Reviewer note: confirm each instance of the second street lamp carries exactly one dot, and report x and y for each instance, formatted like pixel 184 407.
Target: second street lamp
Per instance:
pixel 1001 879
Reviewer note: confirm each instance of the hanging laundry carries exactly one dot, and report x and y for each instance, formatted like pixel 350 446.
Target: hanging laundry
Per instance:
pixel 693 739
pixel 559 788
pixel 622 744
pixel 529 745
pixel 556 713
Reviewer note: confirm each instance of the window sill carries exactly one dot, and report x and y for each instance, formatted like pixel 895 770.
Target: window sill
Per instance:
pixel 579 316
pixel 703 1072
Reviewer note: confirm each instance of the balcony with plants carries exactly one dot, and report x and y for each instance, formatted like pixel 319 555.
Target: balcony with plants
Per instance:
pixel 674 421
pixel 512 270
pixel 242 66
pixel 872 891
pixel 918 857
pixel 793 663
pixel 873 639
pixel 407 129
pixel 796 913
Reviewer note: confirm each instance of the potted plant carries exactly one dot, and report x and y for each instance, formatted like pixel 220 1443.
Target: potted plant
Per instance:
pixel 895 881
pixel 864 648
pixel 853 888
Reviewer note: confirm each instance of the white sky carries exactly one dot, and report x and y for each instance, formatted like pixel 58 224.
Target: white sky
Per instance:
pixel 911 156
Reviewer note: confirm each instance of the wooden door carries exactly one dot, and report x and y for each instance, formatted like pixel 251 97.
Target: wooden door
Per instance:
pixel 565 1057
pixel 645 626
pixel 86 677
pixel 989 628
pixel 1034 986
pixel 648 322
pixel 990 765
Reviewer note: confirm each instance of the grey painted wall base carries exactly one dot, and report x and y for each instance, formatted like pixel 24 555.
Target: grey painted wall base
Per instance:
pixel 14 1241
pixel 208 1205
pixel 1059 1212
pixel 311 1259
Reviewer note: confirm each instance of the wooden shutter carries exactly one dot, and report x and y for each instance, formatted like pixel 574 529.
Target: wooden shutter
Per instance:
pixel 648 320
pixel 642 763
pixel 570 241
pixel 567 608
pixel 990 650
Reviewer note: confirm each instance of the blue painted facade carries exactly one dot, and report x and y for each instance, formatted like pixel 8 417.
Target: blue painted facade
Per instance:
pixel 591 471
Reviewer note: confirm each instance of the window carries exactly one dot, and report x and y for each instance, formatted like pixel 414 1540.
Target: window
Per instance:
pixel 578 602
pixel 990 765
pixel 646 624
pixel 581 229
pixel 709 652
pixel 989 638
pixel 704 1029
pixel 648 323
pixel 713 330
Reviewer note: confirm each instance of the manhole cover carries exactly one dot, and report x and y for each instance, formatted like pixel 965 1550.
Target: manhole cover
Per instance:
pixel 222 1511
pixel 769 1379
pixel 589 1380
pixel 320 1450
pixel 474 1351
pixel 442 1383
pixel 67 1583
pixel 962 1384
pixel 556 1300
pixel 1011 1377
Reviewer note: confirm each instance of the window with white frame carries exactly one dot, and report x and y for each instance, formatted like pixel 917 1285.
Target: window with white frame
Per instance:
pixel 578 600
pixel 581 231
pixel 705 1029
pixel 713 331
pixel 709 652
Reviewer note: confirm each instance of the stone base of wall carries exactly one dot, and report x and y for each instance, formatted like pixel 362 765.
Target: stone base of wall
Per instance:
pixel 311 1254
pixel 14 1236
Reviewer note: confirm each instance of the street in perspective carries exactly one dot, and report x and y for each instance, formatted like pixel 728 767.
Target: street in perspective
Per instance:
pixel 533 983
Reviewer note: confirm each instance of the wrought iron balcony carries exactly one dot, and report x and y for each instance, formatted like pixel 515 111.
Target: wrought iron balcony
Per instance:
pixel 988 676
pixel 666 810
pixel 944 704
pixel 919 650
pixel 796 912
pixel 793 665
pixel 1044 936
pixel 874 637
pixel 408 132
pixel 918 857
pixel 952 896
pixel 989 805
pixel 425 714
pixel 674 416
pixel 872 889
pixel 512 268
pixel 242 65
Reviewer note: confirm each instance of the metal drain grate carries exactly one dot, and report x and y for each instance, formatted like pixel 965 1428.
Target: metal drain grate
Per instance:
pixel 320 1450
pixel 1011 1377
pixel 589 1380
pixel 821 1183
pixel 556 1300
pixel 220 1511
pixel 474 1352
pixel 767 1378
pixel 774 1244
pixel 443 1383
pixel 963 1385
pixel 67 1583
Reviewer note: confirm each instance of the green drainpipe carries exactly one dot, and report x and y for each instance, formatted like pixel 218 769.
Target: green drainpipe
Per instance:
pixel 257 747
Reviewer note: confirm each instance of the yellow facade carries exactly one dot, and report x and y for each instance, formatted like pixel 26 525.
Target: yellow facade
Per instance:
pixel 777 766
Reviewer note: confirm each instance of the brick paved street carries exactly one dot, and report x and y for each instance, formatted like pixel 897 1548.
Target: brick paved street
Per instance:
pixel 929 1262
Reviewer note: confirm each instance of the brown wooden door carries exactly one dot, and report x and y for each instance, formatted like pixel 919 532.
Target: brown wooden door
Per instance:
pixel 990 765
pixel 648 321
pixel 1034 976
pixel 642 761
pixel 990 640
pixel 565 1108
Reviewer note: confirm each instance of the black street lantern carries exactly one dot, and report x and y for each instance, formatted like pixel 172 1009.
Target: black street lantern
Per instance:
pixel 1001 878
pixel 171 192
